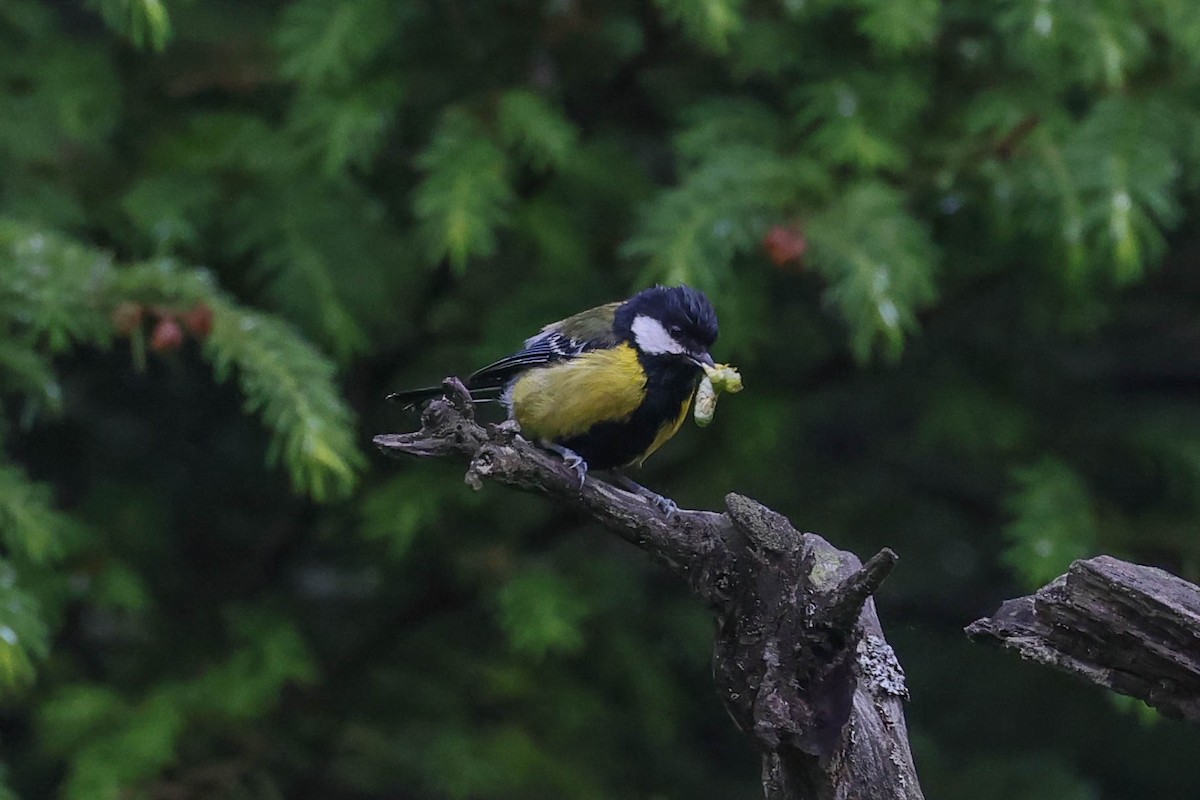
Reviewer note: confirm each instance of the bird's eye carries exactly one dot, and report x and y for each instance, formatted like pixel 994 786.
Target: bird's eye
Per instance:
pixel 676 330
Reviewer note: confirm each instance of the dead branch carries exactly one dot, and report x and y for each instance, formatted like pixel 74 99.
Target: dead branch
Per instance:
pixel 800 659
pixel 1133 629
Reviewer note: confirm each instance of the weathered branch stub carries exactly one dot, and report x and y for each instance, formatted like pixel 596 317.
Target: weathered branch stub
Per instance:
pixel 1131 628
pixel 800 659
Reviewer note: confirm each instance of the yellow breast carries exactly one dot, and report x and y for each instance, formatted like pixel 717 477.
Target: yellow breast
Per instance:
pixel 568 398
pixel 668 430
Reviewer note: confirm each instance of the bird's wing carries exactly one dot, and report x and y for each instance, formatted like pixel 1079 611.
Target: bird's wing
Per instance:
pixel 567 338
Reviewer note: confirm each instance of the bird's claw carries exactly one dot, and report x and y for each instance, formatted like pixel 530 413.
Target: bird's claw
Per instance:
pixel 576 463
pixel 571 459
pixel 666 505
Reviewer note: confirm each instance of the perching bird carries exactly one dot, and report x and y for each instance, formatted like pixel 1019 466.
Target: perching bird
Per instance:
pixel 607 387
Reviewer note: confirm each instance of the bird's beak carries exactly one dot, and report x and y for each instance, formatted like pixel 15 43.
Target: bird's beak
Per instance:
pixel 702 359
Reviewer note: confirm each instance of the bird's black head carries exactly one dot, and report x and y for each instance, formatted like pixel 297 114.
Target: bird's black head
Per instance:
pixel 669 321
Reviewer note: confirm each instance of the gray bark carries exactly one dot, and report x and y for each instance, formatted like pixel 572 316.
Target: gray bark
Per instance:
pixel 800 659
pixel 1131 628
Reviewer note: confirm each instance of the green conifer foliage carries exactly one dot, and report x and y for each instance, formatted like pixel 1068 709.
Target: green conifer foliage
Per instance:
pixel 952 246
pixel 465 193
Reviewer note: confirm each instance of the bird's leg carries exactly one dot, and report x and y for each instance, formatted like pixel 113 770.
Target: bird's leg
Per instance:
pixel 571 459
pixel 664 504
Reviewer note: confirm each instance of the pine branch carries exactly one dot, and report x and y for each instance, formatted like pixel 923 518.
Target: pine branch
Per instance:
pixel 291 386
pixel 710 23
pixel 347 127
pixel 30 527
pixel 55 293
pixel 24 636
pixel 116 744
pixel 861 120
pixel 722 207
pixel 879 261
pixel 326 41
pixel 144 22
pixel 800 659
pixel 465 195
pixel 48 288
pixel 536 129
pixel 899 26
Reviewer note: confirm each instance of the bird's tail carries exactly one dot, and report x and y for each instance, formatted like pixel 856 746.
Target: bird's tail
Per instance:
pixel 410 397
pixel 413 397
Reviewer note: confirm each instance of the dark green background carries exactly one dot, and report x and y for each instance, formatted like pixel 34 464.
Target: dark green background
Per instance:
pixel 953 246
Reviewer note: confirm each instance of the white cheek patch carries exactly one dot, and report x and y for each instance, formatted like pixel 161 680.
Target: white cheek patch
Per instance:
pixel 651 337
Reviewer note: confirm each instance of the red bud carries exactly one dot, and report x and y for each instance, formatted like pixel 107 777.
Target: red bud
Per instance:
pixel 199 319
pixel 167 336
pixel 127 317
pixel 785 245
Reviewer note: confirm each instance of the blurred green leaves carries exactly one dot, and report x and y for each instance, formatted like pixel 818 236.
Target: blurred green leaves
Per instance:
pixel 145 22
pixel 900 27
pixel 326 41
pixel 502 761
pixel 47 288
pixel 24 636
pixel 113 745
pixel 291 387
pixel 116 745
pixel 465 194
pixel 1053 522
pixel 541 613
pixel 1098 42
pixel 693 232
pixel 345 129
pixel 879 263
pixel 1109 180
pixel 58 293
pixel 32 528
pixel 710 23
pixel 902 210
pixel 1029 776
pixel 860 120
pixel 536 129
pixel 398 510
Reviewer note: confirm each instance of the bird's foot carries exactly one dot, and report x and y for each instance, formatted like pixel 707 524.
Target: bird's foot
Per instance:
pixel 664 504
pixel 571 459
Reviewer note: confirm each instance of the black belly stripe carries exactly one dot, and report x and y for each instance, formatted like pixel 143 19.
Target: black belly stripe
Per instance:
pixel 669 384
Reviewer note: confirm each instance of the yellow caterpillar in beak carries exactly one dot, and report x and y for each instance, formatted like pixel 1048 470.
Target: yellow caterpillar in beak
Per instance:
pixel 717 378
